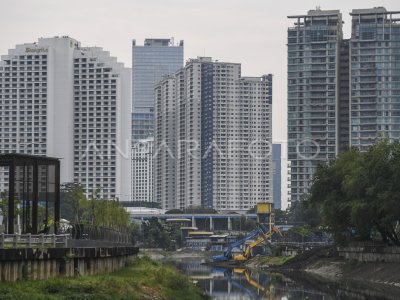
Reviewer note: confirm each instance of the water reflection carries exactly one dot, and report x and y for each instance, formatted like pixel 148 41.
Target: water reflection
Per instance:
pixel 240 283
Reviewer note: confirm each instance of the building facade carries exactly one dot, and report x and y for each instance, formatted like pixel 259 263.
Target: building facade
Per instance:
pixel 314 43
pixel 277 175
pixel 63 100
pixel 288 186
pixel 150 63
pixel 213 137
pixel 341 92
pixel 165 144
pixel 374 76
pixel 142 171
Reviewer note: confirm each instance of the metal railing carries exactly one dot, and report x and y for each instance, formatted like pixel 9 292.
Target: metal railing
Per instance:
pixel 17 241
pixel 96 233
pixel 71 235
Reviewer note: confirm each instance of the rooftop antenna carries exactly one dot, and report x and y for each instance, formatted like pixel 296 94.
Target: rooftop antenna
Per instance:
pixel 318 7
pixel 171 41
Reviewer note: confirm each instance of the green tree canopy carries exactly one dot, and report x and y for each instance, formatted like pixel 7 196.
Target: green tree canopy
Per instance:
pixel 94 211
pixel 358 193
pixel 73 201
pixel 155 235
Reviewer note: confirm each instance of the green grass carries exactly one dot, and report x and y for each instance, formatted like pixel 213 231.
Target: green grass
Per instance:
pixel 142 279
pixel 274 260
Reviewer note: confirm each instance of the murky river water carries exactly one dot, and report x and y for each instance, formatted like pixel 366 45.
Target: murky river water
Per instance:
pixel 239 283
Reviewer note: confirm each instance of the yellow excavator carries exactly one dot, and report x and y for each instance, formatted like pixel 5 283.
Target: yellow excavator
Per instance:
pixel 263 237
pixel 263 232
pixel 264 218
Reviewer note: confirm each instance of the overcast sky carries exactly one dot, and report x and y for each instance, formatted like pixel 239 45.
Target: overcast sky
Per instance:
pixel 252 32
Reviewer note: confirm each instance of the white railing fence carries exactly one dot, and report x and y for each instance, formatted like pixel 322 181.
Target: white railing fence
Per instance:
pixel 16 241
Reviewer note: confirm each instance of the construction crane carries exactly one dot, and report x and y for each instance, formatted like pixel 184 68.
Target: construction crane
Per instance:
pixel 264 231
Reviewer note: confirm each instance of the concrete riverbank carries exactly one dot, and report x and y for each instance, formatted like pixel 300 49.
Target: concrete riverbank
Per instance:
pixel 46 263
pixel 142 278
pixel 330 264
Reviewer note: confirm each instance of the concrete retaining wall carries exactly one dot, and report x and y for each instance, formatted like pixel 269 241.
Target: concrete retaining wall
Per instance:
pixel 18 264
pixel 370 253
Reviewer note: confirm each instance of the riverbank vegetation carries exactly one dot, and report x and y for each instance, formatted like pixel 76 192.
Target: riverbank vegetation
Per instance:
pixel 153 234
pixel 142 279
pixel 358 194
pixel 354 197
pixel 269 261
pixel 77 208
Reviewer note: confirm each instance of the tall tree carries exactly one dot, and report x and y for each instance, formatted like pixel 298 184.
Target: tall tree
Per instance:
pixel 359 193
pixel 73 201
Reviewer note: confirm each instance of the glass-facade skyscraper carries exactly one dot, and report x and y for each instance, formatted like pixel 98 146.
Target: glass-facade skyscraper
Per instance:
pixel 341 92
pixel 313 99
pixel 375 76
pixel 150 63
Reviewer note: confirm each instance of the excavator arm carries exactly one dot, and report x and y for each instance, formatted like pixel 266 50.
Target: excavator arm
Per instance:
pixel 228 253
pixel 264 219
pixel 257 242
pixel 261 239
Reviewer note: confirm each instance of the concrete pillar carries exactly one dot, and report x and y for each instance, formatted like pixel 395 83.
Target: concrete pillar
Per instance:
pixel 11 271
pixel 41 269
pixel 211 286
pixel 112 261
pixel 91 266
pixel 47 268
pixel 6 268
pixel 229 223
pixel 95 266
pixel 82 267
pixel 20 268
pixel 193 222
pixel 14 271
pixel 211 224
pixel 68 267
pixel 29 269
pixel 54 270
pixel 34 269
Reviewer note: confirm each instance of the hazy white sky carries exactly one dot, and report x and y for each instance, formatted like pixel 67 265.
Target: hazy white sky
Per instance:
pixel 252 32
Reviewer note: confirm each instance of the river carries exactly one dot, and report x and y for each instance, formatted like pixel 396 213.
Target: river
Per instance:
pixel 240 283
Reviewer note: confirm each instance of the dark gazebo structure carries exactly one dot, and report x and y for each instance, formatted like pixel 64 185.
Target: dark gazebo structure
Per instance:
pixel 34 187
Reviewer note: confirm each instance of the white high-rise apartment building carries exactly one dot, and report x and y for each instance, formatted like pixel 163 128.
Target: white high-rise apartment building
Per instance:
pixel 213 137
pixel 63 100
pixel 142 171
pixel 165 144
